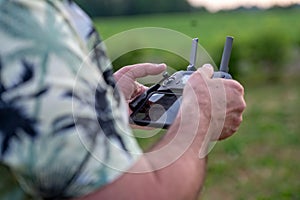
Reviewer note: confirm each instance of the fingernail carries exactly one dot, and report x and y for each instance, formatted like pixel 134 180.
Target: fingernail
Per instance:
pixel 161 65
pixel 207 66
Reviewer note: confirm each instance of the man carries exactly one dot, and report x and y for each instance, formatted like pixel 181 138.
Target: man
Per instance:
pixel 63 123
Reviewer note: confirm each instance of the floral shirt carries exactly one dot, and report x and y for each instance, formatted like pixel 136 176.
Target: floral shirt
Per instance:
pixel 63 124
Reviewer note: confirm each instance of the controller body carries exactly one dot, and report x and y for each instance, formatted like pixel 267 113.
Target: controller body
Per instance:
pixel 159 105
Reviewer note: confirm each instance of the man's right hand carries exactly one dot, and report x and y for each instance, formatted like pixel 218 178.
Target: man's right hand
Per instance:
pixel 213 105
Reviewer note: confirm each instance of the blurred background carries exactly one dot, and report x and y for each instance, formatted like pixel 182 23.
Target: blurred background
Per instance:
pixel 261 161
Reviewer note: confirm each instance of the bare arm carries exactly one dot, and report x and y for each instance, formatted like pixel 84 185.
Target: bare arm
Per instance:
pixel 182 179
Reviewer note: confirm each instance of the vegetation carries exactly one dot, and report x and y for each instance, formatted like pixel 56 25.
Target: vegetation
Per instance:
pixel 132 7
pixel 265 41
pixel 262 160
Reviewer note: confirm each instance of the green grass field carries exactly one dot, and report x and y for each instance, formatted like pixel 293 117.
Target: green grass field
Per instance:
pixel 209 27
pixel 262 160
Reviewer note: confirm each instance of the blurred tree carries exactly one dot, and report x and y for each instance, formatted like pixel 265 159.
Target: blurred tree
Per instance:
pixel 269 50
pixel 132 7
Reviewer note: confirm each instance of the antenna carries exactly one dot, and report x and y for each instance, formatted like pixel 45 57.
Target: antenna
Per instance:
pixel 193 57
pixel 226 54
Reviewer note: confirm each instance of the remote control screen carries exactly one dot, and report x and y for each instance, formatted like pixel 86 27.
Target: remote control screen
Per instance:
pixel 160 109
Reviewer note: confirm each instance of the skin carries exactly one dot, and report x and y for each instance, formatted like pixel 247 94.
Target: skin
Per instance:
pixel 197 124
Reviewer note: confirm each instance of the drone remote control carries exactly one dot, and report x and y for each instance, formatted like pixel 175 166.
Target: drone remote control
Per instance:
pixel 159 105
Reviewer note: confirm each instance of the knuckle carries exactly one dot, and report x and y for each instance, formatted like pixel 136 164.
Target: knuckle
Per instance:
pixel 244 105
pixel 236 86
pixel 239 88
pixel 240 120
pixel 235 129
pixel 237 121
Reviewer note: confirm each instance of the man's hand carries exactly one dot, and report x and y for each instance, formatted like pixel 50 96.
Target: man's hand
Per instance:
pixel 213 105
pixel 126 78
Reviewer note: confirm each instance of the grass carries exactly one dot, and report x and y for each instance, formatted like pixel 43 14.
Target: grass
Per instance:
pixel 261 161
pixel 210 28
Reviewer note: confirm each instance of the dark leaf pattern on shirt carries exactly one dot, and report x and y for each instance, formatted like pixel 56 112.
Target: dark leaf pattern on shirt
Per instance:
pixel 106 122
pixel 44 41
pixel 12 116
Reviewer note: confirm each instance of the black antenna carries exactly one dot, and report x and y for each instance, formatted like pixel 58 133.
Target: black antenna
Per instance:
pixel 226 54
pixel 193 57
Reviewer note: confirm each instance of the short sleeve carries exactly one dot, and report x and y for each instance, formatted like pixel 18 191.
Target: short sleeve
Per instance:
pixel 64 125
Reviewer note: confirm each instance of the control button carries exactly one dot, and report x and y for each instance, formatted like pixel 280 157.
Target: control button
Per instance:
pixel 169 81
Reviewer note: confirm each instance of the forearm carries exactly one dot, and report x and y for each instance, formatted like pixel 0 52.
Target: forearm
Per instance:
pixel 181 179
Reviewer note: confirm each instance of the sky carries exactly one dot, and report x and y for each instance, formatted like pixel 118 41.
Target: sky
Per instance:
pixel 216 5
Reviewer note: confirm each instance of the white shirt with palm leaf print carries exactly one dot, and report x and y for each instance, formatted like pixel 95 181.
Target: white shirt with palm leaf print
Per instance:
pixel 63 125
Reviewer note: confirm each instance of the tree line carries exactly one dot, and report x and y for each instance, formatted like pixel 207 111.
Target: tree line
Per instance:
pixel 132 7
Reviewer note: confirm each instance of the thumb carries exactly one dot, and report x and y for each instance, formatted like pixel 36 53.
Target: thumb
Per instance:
pixel 207 70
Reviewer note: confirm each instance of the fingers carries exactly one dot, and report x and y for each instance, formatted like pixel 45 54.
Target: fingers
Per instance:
pixel 207 70
pixel 235 89
pixel 234 109
pixel 144 69
pixel 201 76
